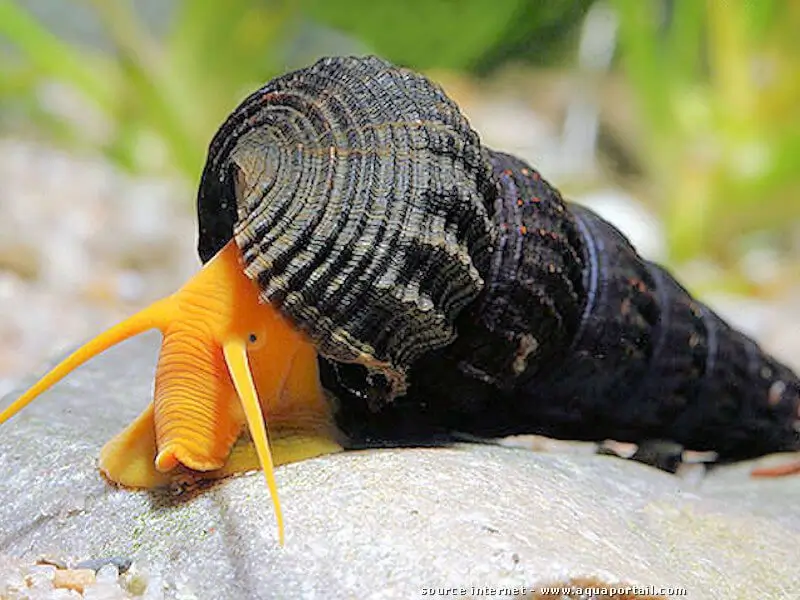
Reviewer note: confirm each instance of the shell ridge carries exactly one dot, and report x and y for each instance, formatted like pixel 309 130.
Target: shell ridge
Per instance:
pixel 368 190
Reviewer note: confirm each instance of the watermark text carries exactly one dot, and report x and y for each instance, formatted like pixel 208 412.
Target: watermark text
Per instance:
pixel 556 591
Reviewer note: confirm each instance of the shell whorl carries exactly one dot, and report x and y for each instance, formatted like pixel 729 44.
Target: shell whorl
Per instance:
pixel 357 193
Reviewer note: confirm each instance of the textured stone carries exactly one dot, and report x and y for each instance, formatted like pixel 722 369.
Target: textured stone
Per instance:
pixel 381 524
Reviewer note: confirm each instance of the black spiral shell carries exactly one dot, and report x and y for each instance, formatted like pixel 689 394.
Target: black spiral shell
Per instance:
pixel 368 211
pixel 355 192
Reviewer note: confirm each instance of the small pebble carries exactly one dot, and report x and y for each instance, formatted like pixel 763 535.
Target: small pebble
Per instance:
pixel 692 474
pixel 104 591
pixel 615 448
pixel 62 594
pixel 52 560
pixel 74 579
pixel 119 563
pixel 155 587
pixel 541 443
pixel 108 574
pixel 40 576
pixel 136 579
pixel 13 583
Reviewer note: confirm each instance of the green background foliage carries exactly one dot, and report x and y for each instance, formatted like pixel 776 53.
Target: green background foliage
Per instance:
pixel 715 85
pixel 718 88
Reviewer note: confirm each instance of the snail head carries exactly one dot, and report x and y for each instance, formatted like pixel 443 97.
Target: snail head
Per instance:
pixel 226 360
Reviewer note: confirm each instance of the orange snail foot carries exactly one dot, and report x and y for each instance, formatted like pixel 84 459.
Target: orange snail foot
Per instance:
pixel 294 448
pixel 128 458
pixel 131 459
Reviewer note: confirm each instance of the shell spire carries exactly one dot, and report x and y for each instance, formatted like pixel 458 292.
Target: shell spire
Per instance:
pixel 359 197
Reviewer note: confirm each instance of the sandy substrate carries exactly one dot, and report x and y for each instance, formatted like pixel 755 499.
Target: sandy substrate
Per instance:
pixel 82 245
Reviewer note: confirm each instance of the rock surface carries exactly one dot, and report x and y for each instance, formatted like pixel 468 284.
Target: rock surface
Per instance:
pixel 381 524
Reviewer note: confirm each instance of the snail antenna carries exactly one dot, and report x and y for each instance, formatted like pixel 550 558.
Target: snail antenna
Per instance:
pixel 235 353
pixel 157 315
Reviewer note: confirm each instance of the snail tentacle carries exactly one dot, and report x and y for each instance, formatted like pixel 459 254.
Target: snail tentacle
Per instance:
pixel 155 316
pixel 236 358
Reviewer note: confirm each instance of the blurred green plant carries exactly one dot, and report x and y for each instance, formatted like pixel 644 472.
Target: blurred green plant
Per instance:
pixel 716 82
pixel 423 33
pixel 466 35
pixel 161 99
pixel 719 93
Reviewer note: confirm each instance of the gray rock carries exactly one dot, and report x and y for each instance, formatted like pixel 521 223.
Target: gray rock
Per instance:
pixel 382 524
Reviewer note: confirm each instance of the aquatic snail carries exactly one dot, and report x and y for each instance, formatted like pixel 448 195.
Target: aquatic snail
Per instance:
pixel 375 276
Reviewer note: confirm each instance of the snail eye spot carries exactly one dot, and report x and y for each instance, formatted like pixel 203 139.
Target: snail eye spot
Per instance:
pixel 253 338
